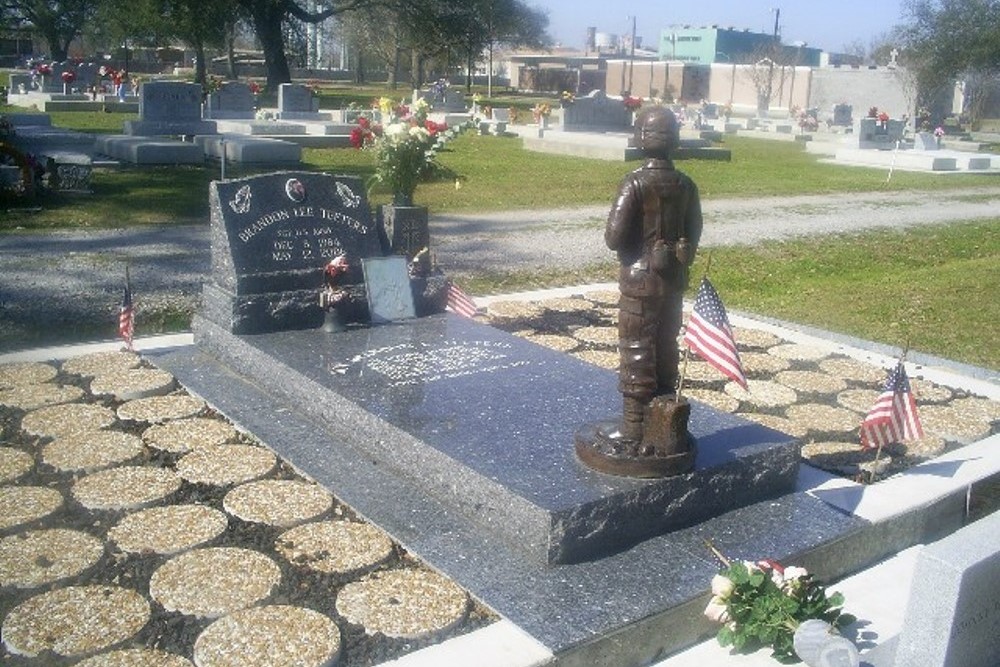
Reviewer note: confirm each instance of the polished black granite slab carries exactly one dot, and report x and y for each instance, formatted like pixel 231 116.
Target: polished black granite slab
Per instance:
pixel 623 610
pixel 485 421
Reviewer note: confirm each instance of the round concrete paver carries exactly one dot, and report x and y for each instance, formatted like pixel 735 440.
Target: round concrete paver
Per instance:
pixel 126 487
pixel 928 392
pixel 40 557
pixel 960 421
pixel 168 530
pixel 798 352
pixel 91 450
pixel 851 369
pixel 836 456
pixel 716 399
pixel 513 310
pixel 226 464
pixel 277 502
pixel 335 547
pixel 184 435
pixel 699 371
pixel 979 407
pixel 603 297
pixel 926 447
pixel 403 603
pixel 786 426
pixel 599 358
pixel 824 418
pixel 157 409
pixel 74 621
pixel 14 463
pixel 213 582
pixel 274 635
pixel 555 342
pixel 33 396
pixel 755 338
pixel 15 375
pixel 27 503
pixel 100 363
pixel 136 657
pixel 763 393
pixel 59 421
pixel 602 336
pixel 566 305
pixel 762 363
pixel 859 400
pixel 810 382
pixel 133 383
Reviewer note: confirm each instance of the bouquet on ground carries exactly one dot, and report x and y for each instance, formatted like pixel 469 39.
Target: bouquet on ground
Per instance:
pixel 763 603
pixel 405 145
pixel 540 111
pixel 632 103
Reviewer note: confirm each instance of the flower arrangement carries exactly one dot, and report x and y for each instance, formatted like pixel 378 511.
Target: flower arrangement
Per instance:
pixel 762 604
pixel 873 112
pixel 939 132
pixel 632 103
pixel 43 69
pixel 405 145
pixel 68 76
pixel 512 113
pixel 540 111
pixel 212 85
pixel 883 117
pixel 254 87
pixel 567 97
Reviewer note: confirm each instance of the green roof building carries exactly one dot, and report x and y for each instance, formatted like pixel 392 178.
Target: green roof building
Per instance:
pixel 704 46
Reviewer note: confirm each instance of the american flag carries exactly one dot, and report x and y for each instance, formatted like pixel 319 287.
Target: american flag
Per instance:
pixel 894 417
pixel 460 302
pixel 126 316
pixel 708 333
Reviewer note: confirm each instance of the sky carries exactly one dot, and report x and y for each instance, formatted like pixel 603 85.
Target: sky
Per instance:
pixel 825 25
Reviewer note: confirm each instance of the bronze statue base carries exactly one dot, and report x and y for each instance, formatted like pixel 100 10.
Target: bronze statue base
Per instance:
pixel 666 448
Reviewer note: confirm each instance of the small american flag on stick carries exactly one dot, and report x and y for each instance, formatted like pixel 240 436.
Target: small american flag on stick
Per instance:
pixel 708 333
pixel 459 302
pixel 894 417
pixel 126 314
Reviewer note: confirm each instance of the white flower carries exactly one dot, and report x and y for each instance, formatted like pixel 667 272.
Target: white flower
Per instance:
pixel 722 587
pixel 419 133
pixel 395 131
pixel 717 610
pixel 794 572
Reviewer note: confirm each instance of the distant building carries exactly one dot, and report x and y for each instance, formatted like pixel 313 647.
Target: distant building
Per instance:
pixel 707 45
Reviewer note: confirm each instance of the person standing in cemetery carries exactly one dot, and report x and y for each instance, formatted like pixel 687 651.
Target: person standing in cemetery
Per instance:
pixel 654 225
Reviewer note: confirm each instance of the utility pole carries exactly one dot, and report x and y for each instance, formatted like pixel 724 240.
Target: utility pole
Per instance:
pixel 770 67
pixel 631 61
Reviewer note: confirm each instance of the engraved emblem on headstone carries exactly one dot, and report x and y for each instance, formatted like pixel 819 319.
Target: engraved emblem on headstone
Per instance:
pixel 241 202
pixel 295 190
pixel 347 196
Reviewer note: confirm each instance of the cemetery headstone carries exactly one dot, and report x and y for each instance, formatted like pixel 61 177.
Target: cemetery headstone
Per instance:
pixel 169 108
pixel 232 101
pixel 388 285
pixel 873 133
pixel 442 97
pixel 596 112
pixel 272 236
pixel 953 615
pixel 843 115
pixel 297 102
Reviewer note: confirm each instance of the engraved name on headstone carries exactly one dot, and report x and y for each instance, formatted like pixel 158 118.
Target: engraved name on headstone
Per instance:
pixel 170 101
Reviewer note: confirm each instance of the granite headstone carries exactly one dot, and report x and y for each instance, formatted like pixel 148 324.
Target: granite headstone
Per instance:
pixel 882 135
pixel 596 112
pixel 388 285
pixel 297 102
pixel 232 101
pixel 953 615
pixel 169 108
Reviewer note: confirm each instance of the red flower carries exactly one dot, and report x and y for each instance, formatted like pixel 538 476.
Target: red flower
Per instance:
pixel 68 76
pixel 44 70
pixel 433 127
pixel 254 87
pixel 883 117
pixel 358 137
pixel 364 123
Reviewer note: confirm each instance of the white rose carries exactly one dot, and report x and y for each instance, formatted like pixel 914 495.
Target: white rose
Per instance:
pixel 722 587
pixel 419 133
pixel 717 610
pixel 395 131
pixel 794 572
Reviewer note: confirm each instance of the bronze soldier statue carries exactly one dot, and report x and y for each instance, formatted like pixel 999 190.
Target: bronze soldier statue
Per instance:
pixel 654 226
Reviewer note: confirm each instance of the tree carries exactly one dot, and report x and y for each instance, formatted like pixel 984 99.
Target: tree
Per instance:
pixel 954 39
pixel 57 22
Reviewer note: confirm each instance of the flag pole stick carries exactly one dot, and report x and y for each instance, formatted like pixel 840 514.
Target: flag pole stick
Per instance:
pixel 680 381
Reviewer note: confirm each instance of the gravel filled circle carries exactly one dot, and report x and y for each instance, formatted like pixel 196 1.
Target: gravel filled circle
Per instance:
pixel 599 358
pixel 824 418
pixel 335 547
pixel 555 342
pixel 962 422
pixel 60 421
pixel 101 363
pixel 859 400
pixel 799 352
pixel 928 392
pixel 40 557
pixel 602 336
pixel 156 409
pixel 91 450
pixel 125 488
pixel 700 371
pixel 786 426
pixel 851 369
pixel 226 464
pixel 75 620
pixel 14 463
pixel 763 393
pixel 716 399
pixel 274 635
pixel 168 530
pixel 136 657
pixel 185 435
pixel 514 310
pixel 403 603
pixel 213 582
pixel 133 383
pixel 29 372
pixel 811 382
pixel 277 502
pixel 758 338
pixel 27 503
pixel 566 305
pixel 761 363
pixel 33 396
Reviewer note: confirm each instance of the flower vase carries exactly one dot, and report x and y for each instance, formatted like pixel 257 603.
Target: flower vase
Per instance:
pixel 819 644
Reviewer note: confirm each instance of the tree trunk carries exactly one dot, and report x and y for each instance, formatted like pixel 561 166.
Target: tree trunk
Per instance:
pixel 267 19
pixel 470 63
pixel 231 52
pixel 200 66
